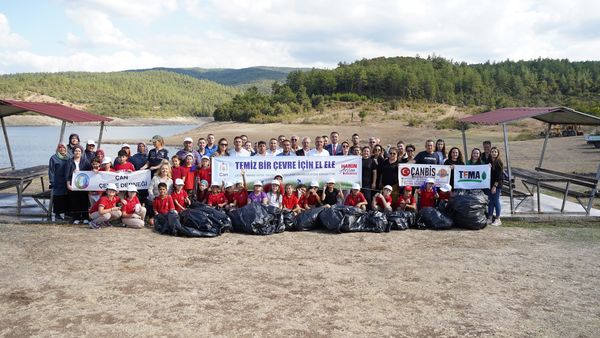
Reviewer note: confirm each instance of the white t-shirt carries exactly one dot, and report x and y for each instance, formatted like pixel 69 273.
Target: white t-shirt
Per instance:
pixel 275 199
pixel 273 153
pixel 315 152
pixel 242 153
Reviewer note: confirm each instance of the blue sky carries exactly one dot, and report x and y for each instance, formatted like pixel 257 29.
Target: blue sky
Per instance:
pixel 112 35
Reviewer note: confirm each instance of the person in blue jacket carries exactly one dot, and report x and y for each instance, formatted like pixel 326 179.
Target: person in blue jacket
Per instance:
pixel 57 175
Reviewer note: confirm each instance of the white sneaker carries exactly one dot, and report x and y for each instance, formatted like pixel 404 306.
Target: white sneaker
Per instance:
pixel 85 221
pixel 497 222
pixel 489 221
pixel 76 222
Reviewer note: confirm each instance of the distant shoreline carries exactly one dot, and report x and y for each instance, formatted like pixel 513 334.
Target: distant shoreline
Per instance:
pixel 40 120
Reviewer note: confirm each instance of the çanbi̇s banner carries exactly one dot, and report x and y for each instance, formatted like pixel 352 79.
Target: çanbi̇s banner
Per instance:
pixel 416 174
pixel 346 170
pixel 472 176
pixel 91 181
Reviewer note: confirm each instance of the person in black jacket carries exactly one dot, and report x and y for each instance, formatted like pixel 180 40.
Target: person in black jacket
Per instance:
pixel 78 200
pixel 496 180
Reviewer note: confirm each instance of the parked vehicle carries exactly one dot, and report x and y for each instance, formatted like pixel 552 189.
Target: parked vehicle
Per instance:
pixel 593 139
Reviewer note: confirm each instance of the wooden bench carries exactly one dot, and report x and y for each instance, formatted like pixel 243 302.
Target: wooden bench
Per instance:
pixel 39 197
pixel 9 184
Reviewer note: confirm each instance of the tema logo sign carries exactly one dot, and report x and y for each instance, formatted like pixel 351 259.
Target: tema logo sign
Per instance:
pixel 82 181
pixel 471 176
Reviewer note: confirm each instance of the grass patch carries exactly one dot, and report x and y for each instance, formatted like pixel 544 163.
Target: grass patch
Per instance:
pixel 525 136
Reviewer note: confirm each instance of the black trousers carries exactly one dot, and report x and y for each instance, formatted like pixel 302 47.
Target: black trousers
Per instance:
pixel 78 205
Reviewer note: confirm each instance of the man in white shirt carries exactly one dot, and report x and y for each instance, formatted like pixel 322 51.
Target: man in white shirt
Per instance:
pixel 238 149
pixel 319 150
pixel 273 147
pixel 261 149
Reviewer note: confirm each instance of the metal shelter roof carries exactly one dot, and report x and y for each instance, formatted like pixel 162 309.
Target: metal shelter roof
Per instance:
pixel 553 115
pixel 55 110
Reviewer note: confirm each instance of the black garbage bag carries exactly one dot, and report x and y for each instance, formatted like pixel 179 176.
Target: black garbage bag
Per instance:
pixel 433 219
pixel 288 219
pixel 257 219
pixel 218 217
pixel 375 221
pixel 401 220
pixel 341 218
pixel 196 223
pixel 467 209
pixel 166 224
pixel 307 220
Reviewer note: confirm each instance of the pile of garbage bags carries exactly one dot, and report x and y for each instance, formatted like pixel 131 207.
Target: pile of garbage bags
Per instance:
pixel 465 210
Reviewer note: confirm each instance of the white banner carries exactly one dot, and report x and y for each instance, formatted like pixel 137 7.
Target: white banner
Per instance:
pixel 346 170
pixel 416 174
pixel 472 176
pixel 91 181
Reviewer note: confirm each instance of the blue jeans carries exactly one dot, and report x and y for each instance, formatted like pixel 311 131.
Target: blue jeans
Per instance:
pixel 494 202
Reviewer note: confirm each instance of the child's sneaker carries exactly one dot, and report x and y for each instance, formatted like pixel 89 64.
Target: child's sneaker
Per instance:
pixel 94 225
pixel 85 221
pixel 76 222
pixel 497 222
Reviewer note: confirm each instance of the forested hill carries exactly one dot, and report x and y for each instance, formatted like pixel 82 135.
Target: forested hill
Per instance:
pixel 541 82
pixel 233 77
pixel 123 94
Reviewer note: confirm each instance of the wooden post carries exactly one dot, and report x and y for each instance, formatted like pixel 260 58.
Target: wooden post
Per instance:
pixel 464 139
pixel 100 136
pixel 62 132
pixel 544 146
pixel 10 156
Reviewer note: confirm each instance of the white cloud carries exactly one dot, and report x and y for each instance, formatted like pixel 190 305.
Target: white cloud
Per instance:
pixel 9 39
pixel 99 29
pixel 139 10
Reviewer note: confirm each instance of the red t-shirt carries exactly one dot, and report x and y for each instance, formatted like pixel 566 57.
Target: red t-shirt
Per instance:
pixel 403 201
pixel 108 204
pixel 240 198
pixel 127 166
pixel 180 198
pixel 104 169
pixel 444 195
pixel 216 199
pixel 188 183
pixel 230 196
pixel 205 174
pixel 427 198
pixel 177 172
pixel 309 200
pixel 290 202
pixel 379 201
pixel 129 208
pixel 354 200
pixel 163 205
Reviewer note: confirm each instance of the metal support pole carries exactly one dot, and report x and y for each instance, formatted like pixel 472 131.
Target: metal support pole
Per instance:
pixel 544 146
pixel 10 156
pixel 594 192
pixel 510 182
pixel 100 136
pixel 62 132
pixel 464 138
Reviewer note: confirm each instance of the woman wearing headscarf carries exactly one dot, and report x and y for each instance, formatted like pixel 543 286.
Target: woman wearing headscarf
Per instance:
pixel 73 142
pixel 100 155
pixel 141 157
pixel 78 200
pixel 58 180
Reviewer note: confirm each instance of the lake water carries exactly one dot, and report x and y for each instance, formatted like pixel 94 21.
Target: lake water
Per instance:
pixel 34 145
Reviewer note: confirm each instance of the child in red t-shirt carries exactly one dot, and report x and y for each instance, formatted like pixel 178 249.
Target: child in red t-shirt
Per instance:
pixel 240 193
pixel 133 213
pixel 445 192
pixel 301 194
pixel 406 201
pixel 180 196
pixel 427 194
pixel 177 171
pixel 106 164
pixel 229 194
pixel 203 192
pixel 106 209
pixel 311 199
pixel 216 198
pixel 163 203
pixel 356 198
pixel 204 172
pixel 290 200
pixel 123 165
pixel 190 176
pixel 383 201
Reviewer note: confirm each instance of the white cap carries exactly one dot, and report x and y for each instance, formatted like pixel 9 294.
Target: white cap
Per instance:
pixel 274 182
pixel 388 187
pixel 314 184
pixel 189 154
pixel 112 186
pixel 356 186
pixel 205 157
pixel 331 180
pixel 429 180
pixel 179 181
pixel 91 142
pixel 188 139
pixel 446 187
pixel 132 187
pixel 258 183
pixel 240 181
pixel 125 145
pixel 106 160
pixel 228 184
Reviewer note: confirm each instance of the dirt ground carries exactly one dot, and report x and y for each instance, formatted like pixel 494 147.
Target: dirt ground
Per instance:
pixel 58 280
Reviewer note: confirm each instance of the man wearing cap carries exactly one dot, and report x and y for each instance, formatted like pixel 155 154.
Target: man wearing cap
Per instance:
pixel 90 150
pixel 188 148
pixel 157 155
pixel 238 148
pixel 356 198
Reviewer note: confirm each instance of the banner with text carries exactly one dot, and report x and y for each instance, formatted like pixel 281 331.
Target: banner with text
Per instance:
pixel 346 170
pixel 91 181
pixel 472 176
pixel 416 174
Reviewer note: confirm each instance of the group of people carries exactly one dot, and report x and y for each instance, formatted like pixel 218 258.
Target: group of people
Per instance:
pixel 185 177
